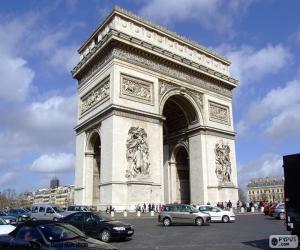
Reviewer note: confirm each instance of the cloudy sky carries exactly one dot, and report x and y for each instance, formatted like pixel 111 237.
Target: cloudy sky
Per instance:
pixel 38 43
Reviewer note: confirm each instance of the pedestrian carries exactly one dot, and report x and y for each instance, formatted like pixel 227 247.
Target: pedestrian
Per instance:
pixel 149 207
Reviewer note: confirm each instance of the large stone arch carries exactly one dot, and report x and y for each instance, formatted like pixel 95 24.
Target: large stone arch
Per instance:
pixel 190 101
pixel 93 165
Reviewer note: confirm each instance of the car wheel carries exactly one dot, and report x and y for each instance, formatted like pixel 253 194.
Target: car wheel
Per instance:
pixel 281 216
pixel 105 235
pixel 166 222
pixel 225 219
pixel 199 221
pixel 34 219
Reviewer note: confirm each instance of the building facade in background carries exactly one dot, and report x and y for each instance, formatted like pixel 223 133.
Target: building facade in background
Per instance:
pixel 62 196
pixel 155 119
pixel 266 189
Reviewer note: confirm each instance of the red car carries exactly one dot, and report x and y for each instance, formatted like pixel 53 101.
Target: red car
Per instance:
pixel 267 208
pixel 272 209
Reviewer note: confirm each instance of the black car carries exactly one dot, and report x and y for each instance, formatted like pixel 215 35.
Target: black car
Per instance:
pixel 9 219
pixel 46 234
pixel 98 226
pixel 20 213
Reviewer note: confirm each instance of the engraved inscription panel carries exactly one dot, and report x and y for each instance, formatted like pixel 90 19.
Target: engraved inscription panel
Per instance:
pixel 219 113
pixel 136 89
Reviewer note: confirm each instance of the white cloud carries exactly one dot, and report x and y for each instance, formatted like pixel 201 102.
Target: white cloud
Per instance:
pixel 215 15
pixel 66 57
pixel 249 65
pixel 38 126
pixel 53 163
pixel 277 112
pixel 16 75
pixel 267 165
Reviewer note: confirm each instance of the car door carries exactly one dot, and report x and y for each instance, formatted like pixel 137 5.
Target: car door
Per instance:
pixel 49 213
pixel 77 220
pixel 91 225
pixel 42 213
pixel 183 214
pixel 216 214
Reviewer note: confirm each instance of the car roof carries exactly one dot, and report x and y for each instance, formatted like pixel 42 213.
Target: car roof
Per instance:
pixel 39 222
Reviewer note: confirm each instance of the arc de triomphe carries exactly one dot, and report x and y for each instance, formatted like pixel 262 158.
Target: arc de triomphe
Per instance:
pixel 154 118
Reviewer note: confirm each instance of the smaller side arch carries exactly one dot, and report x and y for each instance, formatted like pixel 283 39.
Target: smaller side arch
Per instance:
pixel 91 140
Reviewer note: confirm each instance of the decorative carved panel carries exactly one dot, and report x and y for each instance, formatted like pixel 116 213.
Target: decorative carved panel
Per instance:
pixel 223 163
pixel 95 96
pixel 219 113
pixel 136 89
pixel 137 153
pixel 165 86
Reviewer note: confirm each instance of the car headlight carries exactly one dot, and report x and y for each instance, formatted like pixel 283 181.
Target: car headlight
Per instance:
pixel 7 220
pixel 119 228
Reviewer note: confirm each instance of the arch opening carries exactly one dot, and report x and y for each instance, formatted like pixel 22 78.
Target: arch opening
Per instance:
pixel 94 147
pixel 179 114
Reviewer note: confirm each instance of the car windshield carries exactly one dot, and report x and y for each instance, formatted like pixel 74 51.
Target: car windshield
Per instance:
pixel 3 222
pixel 194 210
pixel 60 232
pixel 58 209
pixel 102 217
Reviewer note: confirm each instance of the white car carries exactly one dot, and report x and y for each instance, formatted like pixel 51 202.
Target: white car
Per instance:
pixel 217 214
pixel 5 228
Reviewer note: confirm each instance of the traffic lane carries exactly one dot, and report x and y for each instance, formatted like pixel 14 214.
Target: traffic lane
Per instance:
pixel 249 231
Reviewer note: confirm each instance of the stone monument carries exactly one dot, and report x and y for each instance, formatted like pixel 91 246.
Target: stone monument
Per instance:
pixel 154 118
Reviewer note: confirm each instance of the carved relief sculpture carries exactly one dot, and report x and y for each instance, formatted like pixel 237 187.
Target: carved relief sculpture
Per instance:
pixel 137 153
pixel 95 96
pixel 136 89
pixel 219 113
pixel 223 164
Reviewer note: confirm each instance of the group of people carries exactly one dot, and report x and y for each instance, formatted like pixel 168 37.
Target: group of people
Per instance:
pixel 148 208
pixel 225 205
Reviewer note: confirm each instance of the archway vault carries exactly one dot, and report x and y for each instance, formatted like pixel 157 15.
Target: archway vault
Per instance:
pixel 187 103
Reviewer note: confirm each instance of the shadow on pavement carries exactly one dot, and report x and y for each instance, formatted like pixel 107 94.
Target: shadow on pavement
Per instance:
pixel 260 244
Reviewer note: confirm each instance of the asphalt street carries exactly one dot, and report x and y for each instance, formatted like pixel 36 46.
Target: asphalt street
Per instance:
pixel 248 232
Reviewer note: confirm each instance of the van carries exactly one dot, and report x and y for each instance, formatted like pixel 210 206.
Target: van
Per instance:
pixel 46 212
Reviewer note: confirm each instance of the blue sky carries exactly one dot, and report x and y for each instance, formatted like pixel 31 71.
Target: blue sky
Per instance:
pixel 38 48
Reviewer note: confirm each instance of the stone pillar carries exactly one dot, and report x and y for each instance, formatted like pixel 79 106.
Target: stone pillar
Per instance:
pixel 89 167
pixel 172 181
pixel 198 172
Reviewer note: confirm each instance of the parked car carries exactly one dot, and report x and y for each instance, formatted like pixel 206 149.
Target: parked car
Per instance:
pixel 45 211
pixel 5 227
pixel 9 219
pixel 217 214
pixel 98 226
pixel 20 213
pixel 75 208
pixel 47 234
pixel 279 211
pixel 182 213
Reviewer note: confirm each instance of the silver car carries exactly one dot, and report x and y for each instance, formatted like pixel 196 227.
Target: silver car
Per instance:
pixel 182 213
pixel 46 212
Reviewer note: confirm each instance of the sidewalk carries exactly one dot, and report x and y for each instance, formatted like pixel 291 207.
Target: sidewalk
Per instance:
pixel 133 215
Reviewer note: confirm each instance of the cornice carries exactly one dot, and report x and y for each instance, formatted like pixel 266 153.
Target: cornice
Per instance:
pixel 122 37
pixel 117 10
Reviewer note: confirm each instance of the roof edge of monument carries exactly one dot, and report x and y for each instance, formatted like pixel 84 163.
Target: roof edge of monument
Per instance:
pixel 173 35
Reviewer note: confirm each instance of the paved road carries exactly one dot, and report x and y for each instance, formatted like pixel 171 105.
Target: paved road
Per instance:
pixel 248 232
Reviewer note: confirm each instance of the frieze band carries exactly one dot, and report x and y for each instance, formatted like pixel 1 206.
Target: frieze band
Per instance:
pixel 96 95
